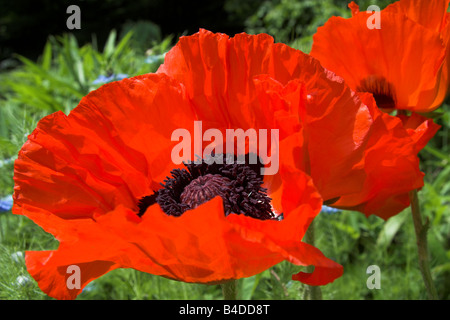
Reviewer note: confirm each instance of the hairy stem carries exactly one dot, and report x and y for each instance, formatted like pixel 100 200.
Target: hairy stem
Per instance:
pixel 312 292
pixel 422 246
pixel 229 290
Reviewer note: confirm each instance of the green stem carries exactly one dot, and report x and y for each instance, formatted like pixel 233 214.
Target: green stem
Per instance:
pixel 229 290
pixel 422 246
pixel 312 292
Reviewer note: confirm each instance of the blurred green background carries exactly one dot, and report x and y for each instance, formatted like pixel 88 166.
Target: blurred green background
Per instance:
pixel 44 67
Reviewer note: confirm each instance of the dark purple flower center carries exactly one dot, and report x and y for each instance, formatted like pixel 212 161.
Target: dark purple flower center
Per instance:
pixel 384 101
pixel 205 188
pixel 382 91
pixel 239 184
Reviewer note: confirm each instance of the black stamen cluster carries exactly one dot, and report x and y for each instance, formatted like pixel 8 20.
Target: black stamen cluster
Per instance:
pixel 238 183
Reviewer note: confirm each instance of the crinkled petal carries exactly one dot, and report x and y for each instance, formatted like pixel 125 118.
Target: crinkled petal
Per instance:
pixel 404 54
pixel 391 165
pixel 201 246
pixel 429 13
pixel 112 149
pixel 331 123
pixel 420 128
pixel 81 183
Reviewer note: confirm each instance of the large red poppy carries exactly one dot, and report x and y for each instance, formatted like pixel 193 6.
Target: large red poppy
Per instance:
pixel 253 83
pixel 404 66
pixel 89 178
pixel 339 130
pixel 433 15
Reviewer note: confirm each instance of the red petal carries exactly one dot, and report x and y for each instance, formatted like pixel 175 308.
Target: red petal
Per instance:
pixel 421 129
pixel 401 49
pixel 392 168
pixel 106 152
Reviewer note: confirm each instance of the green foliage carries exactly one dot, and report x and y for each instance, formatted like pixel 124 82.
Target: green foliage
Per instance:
pixel 66 72
pixel 289 20
pixel 293 22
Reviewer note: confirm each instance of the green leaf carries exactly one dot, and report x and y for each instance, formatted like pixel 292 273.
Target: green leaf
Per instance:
pixel 108 50
pixel 122 45
pixel 249 285
pixel 47 56
pixel 390 229
pixel 437 153
pixel 351 231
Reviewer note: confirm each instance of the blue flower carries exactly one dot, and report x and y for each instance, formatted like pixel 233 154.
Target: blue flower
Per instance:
pixel 6 203
pixel 329 210
pixel 114 77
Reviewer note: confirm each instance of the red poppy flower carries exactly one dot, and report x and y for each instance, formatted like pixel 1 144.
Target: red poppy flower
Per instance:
pixel 93 178
pixel 253 83
pixel 404 66
pixel 338 129
pixel 401 64
pixel 391 164
pixel 433 15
